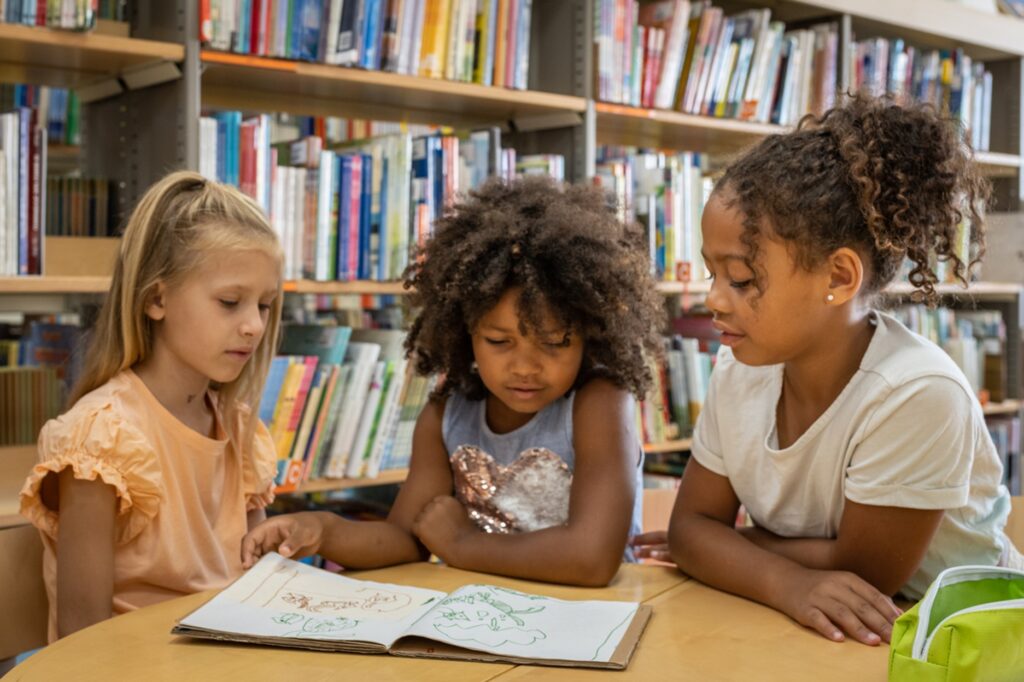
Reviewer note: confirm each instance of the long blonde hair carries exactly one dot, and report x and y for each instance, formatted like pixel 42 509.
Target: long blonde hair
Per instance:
pixel 178 220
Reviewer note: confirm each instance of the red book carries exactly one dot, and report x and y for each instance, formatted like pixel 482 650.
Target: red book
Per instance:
pixel 355 199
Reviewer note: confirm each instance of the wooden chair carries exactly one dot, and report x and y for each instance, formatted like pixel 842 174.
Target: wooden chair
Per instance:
pixel 23 601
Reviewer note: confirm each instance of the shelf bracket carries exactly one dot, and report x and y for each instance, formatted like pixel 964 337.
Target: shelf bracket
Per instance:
pixel 152 73
pixel 558 119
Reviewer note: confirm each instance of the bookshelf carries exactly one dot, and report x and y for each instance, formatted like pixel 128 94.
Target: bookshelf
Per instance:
pixel 232 81
pixel 149 126
pixel 68 59
pixel 668 446
pixel 386 477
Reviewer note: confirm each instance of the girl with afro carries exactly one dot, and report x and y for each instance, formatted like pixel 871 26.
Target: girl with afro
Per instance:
pixel 536 307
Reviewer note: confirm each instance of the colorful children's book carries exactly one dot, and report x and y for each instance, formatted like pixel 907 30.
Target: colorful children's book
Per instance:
pixel 280 602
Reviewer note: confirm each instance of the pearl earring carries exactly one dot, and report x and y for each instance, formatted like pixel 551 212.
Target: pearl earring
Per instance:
pixel 830 298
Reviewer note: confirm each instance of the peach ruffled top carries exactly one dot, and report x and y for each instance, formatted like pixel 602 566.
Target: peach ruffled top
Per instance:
pixel 182 498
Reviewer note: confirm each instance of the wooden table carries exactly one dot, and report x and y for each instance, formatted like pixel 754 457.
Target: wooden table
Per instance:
pixel 696 633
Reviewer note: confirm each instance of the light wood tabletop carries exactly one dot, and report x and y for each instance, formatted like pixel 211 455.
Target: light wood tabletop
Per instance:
pixel 139 646
pixel 696 633
pixel 700 633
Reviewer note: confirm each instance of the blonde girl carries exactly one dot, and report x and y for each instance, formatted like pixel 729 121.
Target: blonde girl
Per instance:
pixel 147 484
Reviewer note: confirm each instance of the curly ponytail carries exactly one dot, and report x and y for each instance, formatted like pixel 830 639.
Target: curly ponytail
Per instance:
pixel 894 182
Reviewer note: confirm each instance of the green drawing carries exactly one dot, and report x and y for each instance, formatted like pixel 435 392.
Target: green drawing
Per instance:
pixel 613 631
pixel 500 625
pixel 489 634
pixel 508 610
pixel 313 627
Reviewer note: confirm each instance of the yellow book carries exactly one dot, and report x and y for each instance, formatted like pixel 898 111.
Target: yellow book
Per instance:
pixel 286 404
pixel 435 38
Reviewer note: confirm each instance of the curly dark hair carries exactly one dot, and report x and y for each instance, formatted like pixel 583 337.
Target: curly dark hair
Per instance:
pixel 891 181
pixel 571 257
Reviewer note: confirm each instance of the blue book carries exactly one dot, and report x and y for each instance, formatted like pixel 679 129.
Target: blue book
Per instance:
pixel 24 159
pixel 365 217
pixel 369 57
pixel 344 202
pixel 306 29
pixel 234 142
pixel 326 343
pixel 437 160
pixel 222 147
pixel 272 388
pixel 245 21
pixel 382 222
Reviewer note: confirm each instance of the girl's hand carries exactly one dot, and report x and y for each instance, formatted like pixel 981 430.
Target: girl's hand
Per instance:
pixel 833 602
pixel 652 545
pixel 291 535
pixel 442 525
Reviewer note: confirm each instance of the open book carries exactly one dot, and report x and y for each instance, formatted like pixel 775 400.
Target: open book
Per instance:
pixel 280 602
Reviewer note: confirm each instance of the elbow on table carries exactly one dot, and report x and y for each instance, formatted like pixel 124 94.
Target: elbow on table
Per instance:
pixel 594 569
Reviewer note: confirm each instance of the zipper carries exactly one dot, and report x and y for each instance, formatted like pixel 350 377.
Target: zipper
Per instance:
pixel 952 576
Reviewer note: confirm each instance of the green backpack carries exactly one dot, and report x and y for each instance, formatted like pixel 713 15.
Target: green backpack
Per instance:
pixel 969 626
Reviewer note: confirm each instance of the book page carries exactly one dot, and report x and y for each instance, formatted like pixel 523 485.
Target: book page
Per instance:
pixel 280 598
pixel 510 623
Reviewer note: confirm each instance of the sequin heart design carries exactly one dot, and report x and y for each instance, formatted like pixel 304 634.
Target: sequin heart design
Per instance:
pixel 529 494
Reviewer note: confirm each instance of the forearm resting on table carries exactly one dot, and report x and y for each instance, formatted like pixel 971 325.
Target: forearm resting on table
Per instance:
pixel 557 555
pixel 817 553
pixel 718 555
pixel 367 544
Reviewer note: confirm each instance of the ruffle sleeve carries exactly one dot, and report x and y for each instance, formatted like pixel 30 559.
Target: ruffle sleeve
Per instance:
pixel 97 444
pixel 259 468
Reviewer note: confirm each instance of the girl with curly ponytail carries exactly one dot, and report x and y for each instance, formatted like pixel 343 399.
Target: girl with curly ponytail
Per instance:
pixel 857 447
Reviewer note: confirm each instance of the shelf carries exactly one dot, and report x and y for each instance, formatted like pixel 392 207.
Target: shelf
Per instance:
pixel 93 285
pixel 232 81
pixel 99 285
pixel 660 129
pixel 386 477
pixel 669 446
pixel 997 165
pixel 1010 407
pixel 35 284
pixel 993 291
pixel 30 54
pixel 305 286
pixel 983 35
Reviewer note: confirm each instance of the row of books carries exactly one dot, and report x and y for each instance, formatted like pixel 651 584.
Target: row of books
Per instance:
pixel 680 386
pixel 948 80
pixel 22 192
pixel 666 194
pixel 356 211
pixel 30 396
pixel 81 207
pixel 690 57
pixel 480 41
pixel 975 339
pixel 341 403
pixel 58 109
pixel 78 15
pixel 1005 432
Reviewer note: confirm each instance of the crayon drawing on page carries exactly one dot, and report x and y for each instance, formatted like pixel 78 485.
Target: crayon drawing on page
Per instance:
pixel 288 590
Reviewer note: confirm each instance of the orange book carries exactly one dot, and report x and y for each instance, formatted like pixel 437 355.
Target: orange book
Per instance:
pixel 500 43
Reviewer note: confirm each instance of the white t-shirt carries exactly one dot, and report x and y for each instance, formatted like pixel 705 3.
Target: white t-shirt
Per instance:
pixel 906 431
